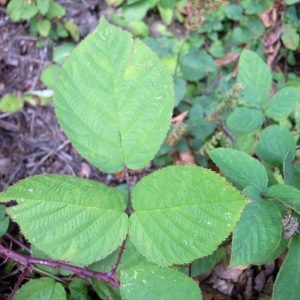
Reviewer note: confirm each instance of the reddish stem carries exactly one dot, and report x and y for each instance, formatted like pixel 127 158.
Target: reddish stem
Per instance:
pixel 18 284
pixel 27 261
pixel 115 266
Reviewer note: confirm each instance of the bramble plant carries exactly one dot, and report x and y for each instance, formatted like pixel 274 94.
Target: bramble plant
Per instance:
pixel 114 100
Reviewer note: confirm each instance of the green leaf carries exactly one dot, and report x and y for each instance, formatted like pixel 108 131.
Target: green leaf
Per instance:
pixel 216 49
pixel 166 14
pixel 278 251
pixel 204 264
pixel 290 37
pixel 152 282
pixel 61 52
pixel 114 100
pixel 257 233
pixel 130 258
pixel 182 213
pixel 105 291
pixel 136 10
pixel 289 274
pixel 68 218
pixel 138 29
pixel 163 47
pixel 78 290
pixel 255 76
pixel 73 30
pixel 179 85
pixel 274 144
pixel 21 10
pixel 288 170
pixel 256 7
pixel 10 103
pixel 167 3
pixel 55 11
pixel 286 194
pixel 61 30
pixel 43 27
pixel 250 31
pixel 291 2
pixel 233 11
pixel 244 142
pixel 42 288
pixel 296 168
pixel 49 76
pixel 114 3
pixel 245 120
pixel 195 64
pixel 241 168
pixel 4 221
pixel 40 254
pixel 282 103
pixel 43 6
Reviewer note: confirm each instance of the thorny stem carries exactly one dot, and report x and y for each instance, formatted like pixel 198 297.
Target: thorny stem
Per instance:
pixel 115 266
pixel 129 209
pixel 19 282
pixel 27 261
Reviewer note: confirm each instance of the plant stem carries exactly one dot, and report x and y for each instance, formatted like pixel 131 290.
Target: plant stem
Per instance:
pixel 115 266
pixel 27 261
pixel 129 209
pixel 225 130
pixel 19 282
pixel 18 243
pixel 178 56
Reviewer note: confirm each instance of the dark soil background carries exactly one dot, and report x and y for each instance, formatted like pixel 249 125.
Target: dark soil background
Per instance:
pixel 31 143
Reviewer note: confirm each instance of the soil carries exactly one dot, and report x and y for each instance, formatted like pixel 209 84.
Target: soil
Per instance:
pixel 31 143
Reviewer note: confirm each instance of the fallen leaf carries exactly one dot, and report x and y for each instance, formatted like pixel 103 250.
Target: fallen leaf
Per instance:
pixel 85 170
pixel 183 158
pixel 179 118
pixel 227 59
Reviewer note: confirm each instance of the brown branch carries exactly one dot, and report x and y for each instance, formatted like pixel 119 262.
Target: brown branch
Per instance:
pixel 27 261
pixel 23 57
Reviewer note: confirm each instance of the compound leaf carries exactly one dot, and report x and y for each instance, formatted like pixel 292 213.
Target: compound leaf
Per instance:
pixel 114 99
pixel 257 233
pixel 255 76
pixel 69 218
pixel 182 213
pixel 241 167
pixel 142 283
